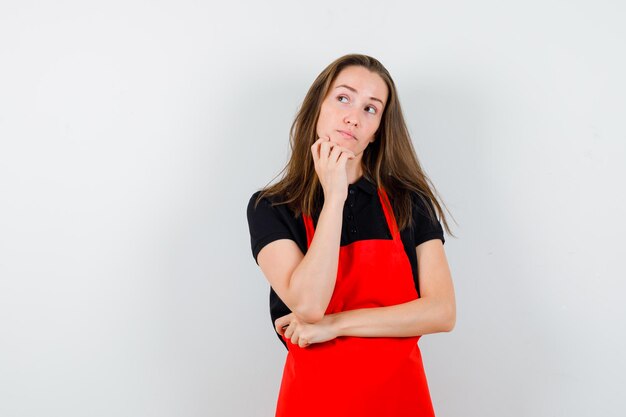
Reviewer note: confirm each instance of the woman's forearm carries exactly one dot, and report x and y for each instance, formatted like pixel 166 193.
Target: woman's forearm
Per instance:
pixel 413 318
pixel 313 280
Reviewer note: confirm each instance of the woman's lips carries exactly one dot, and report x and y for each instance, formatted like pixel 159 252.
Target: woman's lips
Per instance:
pixel 346 134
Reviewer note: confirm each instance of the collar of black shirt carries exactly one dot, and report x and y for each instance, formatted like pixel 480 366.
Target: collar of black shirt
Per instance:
pixel 364 184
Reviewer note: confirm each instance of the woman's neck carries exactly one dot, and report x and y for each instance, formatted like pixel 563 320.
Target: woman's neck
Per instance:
pixel 354 170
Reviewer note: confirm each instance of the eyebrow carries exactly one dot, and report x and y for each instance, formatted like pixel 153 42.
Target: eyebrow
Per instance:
pixel 354 91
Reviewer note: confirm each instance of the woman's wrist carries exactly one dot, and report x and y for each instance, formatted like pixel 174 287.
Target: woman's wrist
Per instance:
pixel 335 324
pixel 333 204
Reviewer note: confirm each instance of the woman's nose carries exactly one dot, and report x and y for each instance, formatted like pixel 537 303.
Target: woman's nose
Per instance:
pixel 351 118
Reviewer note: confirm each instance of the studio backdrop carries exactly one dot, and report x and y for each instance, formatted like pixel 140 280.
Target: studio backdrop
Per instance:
pixel 133 133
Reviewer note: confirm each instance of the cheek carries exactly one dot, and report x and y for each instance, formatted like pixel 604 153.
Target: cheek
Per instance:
pixel 374 127
pixel 322 121
pixel 320 124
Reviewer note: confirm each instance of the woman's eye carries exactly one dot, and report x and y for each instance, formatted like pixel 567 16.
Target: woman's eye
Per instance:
pixel 340 97
pixel 373 109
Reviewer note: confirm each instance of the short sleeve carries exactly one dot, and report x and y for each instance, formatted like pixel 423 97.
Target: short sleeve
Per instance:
pixel 425 228
pixel 266 224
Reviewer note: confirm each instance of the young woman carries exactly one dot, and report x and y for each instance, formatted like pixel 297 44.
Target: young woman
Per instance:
pixel 352 248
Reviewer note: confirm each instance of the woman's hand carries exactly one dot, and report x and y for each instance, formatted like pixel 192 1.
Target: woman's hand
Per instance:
pixel 330 165
pixel 304 334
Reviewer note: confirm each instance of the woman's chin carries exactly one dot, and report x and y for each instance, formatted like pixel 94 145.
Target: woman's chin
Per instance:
pixel 346 142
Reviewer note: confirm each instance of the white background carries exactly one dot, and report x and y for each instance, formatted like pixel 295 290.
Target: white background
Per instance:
pixel 132 135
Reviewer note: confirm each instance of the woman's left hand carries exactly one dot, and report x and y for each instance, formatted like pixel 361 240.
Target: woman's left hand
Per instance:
pixel 304 334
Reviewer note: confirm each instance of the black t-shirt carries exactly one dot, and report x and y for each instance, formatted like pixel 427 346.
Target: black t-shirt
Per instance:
pixel 363 218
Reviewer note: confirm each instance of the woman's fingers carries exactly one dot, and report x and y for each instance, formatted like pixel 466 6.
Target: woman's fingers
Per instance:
pixel 282 322
pixel 287 325
pixel 325 150
pixel 279 325
pixel 343 158
pixel 292 330
pixel 315 148
pixel 330 152
pixel 334 154
pixel 290 327
pixel 330 167
pixel 338 152
pixel 289 332
pixel 295 337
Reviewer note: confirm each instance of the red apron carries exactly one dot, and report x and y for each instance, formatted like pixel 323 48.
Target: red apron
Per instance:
pixel 360 376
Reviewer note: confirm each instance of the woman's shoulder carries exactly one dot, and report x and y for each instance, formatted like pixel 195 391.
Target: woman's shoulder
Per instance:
pixel 260 206
pixel 421 203
pixel 255 197
pixel 265 200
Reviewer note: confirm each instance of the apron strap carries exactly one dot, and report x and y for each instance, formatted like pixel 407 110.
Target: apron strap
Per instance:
pixel 391 219
pixel 310 230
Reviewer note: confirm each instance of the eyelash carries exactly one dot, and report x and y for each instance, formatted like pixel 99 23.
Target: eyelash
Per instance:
pixel 372 107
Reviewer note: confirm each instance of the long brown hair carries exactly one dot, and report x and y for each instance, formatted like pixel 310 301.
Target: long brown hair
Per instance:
pixel 390 161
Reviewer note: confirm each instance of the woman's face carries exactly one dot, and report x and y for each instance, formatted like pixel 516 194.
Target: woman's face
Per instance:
pixel 352 110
